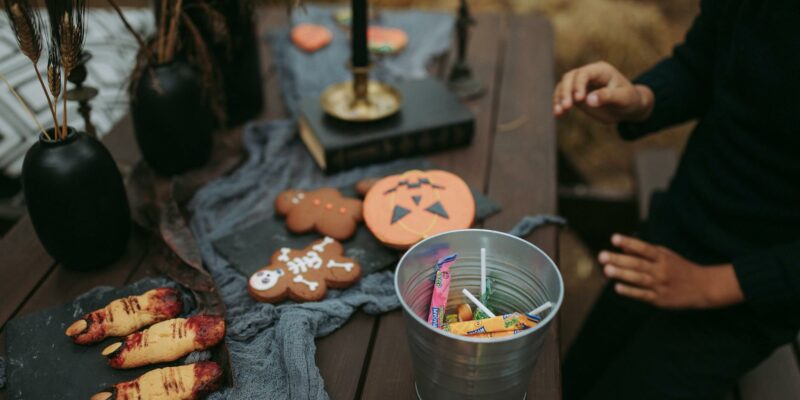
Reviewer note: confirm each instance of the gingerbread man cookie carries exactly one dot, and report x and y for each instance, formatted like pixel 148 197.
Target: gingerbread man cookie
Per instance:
pixel 304 275
pixel 321 210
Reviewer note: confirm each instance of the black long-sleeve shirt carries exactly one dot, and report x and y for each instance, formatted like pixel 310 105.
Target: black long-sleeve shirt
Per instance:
pixel 737 190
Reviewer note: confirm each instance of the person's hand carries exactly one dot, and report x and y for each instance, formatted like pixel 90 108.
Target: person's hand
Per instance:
pixel 604 93
pixel 661 277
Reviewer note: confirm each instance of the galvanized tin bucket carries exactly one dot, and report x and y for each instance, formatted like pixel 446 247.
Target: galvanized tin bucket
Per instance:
pixel 448 366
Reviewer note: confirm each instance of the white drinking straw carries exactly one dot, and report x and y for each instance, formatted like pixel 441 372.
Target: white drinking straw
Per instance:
pixel 541 308
pixel 477 303
pixel 483 272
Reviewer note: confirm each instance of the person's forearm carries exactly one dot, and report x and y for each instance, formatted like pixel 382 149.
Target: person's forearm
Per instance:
pixel 723 287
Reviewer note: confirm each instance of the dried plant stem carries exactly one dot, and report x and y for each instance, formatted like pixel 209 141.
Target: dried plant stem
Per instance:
pixel 47 96
pixel 130 29
pixel 162 31
pixel 25 106
pixel 64 126
pixel 172 35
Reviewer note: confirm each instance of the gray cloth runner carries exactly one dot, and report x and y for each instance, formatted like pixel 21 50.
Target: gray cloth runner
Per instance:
pixel 272 346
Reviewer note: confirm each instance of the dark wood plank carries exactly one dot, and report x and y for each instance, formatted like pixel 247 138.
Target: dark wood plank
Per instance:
pixel 389 370
pixel 270 18
pixel 21 251
pixel 523 174
pixel 341 356
pixel 63 284
pixel 472 162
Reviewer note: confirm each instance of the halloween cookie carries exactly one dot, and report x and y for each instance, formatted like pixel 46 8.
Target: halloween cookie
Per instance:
pixel 304 275
pixel 311 37
pixel 124 316
pixel 400 210
pixel 321 210
pixel 166 341
pixel 387 41
pixel 185 382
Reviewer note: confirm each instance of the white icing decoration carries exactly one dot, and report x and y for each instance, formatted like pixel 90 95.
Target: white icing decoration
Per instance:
pixel 299 265
pixel 320 247
pixel 346 265
pixel 265 279
pixel 311 285
pixel 284 254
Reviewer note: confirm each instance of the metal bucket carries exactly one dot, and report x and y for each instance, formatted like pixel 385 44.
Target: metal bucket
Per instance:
pixel 448 366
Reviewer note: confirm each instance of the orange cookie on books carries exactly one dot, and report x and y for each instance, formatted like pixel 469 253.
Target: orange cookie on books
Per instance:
pixel 384 40
pixel 400 210
pixel 311 37
pixel 304 275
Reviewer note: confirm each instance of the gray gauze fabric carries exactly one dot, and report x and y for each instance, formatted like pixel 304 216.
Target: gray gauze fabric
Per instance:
pixel 308 74
pixel 272 346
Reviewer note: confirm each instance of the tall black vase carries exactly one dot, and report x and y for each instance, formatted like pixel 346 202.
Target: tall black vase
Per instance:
pixel 238 59
pixel 172 120
pixel 76 200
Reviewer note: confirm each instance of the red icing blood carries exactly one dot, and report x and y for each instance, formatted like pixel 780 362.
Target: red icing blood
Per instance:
pixel 167 303
pixel 209 330
pixel 117 358
pixel 125 388
pixel 207 375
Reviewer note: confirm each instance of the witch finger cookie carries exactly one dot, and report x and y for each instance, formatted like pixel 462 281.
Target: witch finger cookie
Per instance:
pixel 305 274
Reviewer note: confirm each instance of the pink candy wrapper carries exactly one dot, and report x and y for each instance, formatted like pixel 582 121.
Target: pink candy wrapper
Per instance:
pixel 441 287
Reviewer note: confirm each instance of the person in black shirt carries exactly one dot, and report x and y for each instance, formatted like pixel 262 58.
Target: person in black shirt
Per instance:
pixel 712 285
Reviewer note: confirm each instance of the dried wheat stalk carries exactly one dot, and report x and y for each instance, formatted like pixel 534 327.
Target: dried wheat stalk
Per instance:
pixel 24 105
pixel 27 27
pixel 67 18
pixel 172 34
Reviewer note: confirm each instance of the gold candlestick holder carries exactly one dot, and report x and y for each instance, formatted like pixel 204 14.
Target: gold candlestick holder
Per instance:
pixel 361 99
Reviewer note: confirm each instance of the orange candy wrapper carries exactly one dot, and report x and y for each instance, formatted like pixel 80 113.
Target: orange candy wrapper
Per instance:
pixel 500 323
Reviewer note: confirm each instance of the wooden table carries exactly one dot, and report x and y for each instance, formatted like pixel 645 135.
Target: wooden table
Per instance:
pixel 512 160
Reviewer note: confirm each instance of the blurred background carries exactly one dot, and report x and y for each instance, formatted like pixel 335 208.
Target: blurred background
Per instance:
pixel 596 168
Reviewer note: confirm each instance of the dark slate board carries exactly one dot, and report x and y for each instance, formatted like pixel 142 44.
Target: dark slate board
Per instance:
pixel 251 248
pixel 43 363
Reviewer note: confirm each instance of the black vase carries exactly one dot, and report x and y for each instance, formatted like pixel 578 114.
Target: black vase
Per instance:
pixel 76 200
pixel 172 119
pixel 237 58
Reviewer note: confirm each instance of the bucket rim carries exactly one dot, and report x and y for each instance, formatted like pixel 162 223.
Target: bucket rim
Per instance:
pixel 541 325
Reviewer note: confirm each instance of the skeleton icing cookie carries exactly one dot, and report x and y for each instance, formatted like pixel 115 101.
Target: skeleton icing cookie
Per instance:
pixel 321 210
pixel 400 210
pixel 304 275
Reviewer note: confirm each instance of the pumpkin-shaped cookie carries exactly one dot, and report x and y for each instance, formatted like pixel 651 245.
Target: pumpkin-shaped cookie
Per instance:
pixel 400 210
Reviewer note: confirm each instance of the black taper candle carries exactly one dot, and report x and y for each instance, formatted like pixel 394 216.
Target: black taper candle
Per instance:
pixel 359 33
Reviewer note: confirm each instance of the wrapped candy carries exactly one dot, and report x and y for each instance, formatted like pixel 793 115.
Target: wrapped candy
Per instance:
pixel 500 323
pixel 441 287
